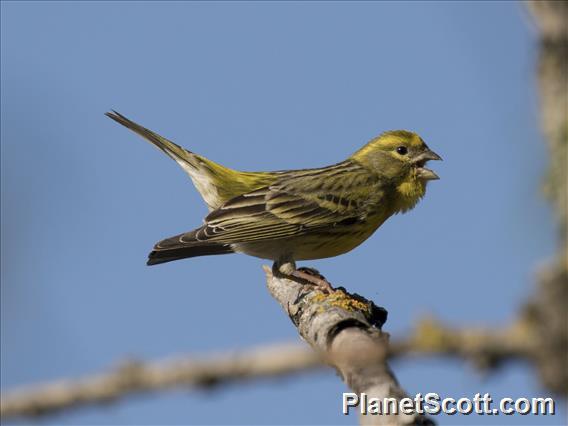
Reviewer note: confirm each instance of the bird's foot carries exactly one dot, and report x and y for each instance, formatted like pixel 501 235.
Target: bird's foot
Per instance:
pixel 313 276
pixel 309 275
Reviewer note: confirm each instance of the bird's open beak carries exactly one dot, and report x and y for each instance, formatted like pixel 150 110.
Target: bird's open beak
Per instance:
pixel 421 171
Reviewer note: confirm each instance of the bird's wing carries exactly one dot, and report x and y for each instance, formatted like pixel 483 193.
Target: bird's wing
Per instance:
pixel 288 208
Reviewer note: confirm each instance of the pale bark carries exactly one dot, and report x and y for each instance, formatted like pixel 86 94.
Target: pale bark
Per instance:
pixel 346 330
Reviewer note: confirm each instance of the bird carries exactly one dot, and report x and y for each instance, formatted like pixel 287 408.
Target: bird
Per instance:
pixel 296 215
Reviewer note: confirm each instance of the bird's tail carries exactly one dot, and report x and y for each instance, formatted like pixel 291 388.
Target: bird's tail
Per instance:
pixel 215 183
pixel 174 248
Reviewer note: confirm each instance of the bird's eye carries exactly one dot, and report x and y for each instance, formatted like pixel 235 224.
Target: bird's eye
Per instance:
pixel 402 150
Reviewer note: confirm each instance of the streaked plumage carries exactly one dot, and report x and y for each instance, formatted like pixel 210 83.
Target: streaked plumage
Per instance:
pixel 297 214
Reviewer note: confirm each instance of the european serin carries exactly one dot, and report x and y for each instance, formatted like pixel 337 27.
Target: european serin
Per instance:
pixel 294 215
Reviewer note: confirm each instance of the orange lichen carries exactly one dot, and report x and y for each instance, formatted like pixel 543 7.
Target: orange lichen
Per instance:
pixel 341 300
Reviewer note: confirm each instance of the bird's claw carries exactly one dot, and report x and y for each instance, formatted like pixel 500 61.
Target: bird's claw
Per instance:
pixel 312 271
pixel 313 277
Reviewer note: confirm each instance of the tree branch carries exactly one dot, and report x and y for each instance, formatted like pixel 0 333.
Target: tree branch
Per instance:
pixel 486 349
pixel 132 377
pixel 547 308
pixel 346 330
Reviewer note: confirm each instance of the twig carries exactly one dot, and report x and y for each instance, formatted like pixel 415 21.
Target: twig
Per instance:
pixel 136 377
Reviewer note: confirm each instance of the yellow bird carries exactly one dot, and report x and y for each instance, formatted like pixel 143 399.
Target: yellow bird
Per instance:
pixel 294 215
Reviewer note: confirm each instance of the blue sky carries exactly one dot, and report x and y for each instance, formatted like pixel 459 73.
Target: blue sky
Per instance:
pixel 267 85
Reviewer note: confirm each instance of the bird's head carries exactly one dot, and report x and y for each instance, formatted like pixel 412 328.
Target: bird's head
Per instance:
pixel 398 155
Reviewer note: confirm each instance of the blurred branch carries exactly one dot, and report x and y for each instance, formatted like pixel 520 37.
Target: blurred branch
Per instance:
pixel 486 349
pixel 547 308
pixel 551 18
pixel 134 377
